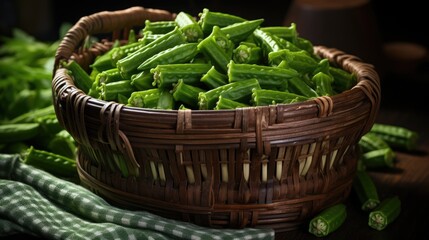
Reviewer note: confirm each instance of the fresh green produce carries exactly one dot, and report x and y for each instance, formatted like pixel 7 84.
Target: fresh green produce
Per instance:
pixel 327 221
pixel 388 210
pixel 379 158
pixel 366 191
pixel 396 136
pixel 54 163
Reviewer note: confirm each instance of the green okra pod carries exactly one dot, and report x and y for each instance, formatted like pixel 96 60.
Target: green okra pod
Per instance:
pixel 343 80
pixel 178 54
pixel 55 164
pixel 371 141
pixel 388 210
pixel 80 77
pixel 247 53
pixel 110 91
pixel 218 48
pixel 105 60
pixel 128 65
pixel 264 97
pixel 379 158
pixel 327 221
pixel 323 84
pixel 240 31
pixel 300 87
pixel 186 94
pixel 159 27
pixel 213 78
pixel 149 37
pixel 165 100
pixel 238 91
pixel 16 132
pixel 304 44
pixel 267 42
pixel 142 80
pixel 108 76
pixel 301 61
pixel 146 98
pixel 189 26
pixel 366 191
pixel 225 103
pixel 268 77
pixel 396 136
pixel 288 33
pixel 62 143
pixel 208 19
pixel 167 75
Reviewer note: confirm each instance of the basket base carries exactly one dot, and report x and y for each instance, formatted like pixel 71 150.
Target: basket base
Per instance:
pixel 286 215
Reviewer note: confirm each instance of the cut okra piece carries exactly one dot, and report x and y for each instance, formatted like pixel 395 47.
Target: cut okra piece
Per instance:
pixel 80 77
pixel 108 76
pixel 138 98
pixel 245 53
pixel 217 48
pixel 186 94
pixel 300 87
pixel 380 158
pixel 288 33
pixel 128 65
pixel 343 80
pixel 388 210
pixel 323 84
pixel 189 26
pixel 110 91
pixel 159 27
pixel 366 191
pixel 268 77
pixel 328 220
pixel 142 81
pixel 165 100
pixel 264 97
pixel 371 141
pixel 240 31
pixel 238 91
pixel 178 54
pixel 213 78
pixel 208 19
pixel 167 75
pixel 396 136
pixel 225 103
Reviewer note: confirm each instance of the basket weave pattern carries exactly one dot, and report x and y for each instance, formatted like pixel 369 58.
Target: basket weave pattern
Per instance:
pixel 272 166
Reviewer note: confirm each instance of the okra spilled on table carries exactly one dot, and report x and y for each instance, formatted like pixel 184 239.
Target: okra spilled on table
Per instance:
pixel 205 53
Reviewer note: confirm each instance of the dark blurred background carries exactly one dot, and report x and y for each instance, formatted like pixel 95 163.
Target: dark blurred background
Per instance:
pixel 397 20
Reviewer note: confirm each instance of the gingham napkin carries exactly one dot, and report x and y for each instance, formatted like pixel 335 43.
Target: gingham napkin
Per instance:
pixel 34 202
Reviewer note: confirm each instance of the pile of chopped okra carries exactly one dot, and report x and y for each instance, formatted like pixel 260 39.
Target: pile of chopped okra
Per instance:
pixel 213 61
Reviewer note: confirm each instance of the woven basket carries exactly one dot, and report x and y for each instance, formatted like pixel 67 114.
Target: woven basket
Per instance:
pixel 267 167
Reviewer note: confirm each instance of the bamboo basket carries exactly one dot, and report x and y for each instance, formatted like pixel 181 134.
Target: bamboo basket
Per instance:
pixel 265 167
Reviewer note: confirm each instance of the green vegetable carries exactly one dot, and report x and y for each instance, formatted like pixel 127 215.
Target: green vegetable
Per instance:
pixel 15 132
pixel 301 61
pixel 287 33
pixel 267 42
pixel 343 80
pixel 178 54
pixel 366 191
pixel 238 91
pixel 388 210
pixel 323 84
pixel 268 77
pixel 247 53
pixel 142 80
pixel 225 103
pixel 53 163
pixel 396 136
pixel 146 98
pixel 378 158
pixel 208 19
pixel 240 31
pixel 80 77
pixel 108 76
pixel 186 94
pixel 189 26
pixel 159 27
pixel 217 48
pixel 328 220
pixel 264 97
pixel 300 87
pixel 128 65
pixel 110 91
pixel 213 78
pixel 167 75
pixel 371 141
pixel 165 100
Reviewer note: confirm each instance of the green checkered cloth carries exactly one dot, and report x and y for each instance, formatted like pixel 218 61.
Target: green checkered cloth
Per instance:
pixel 35 202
